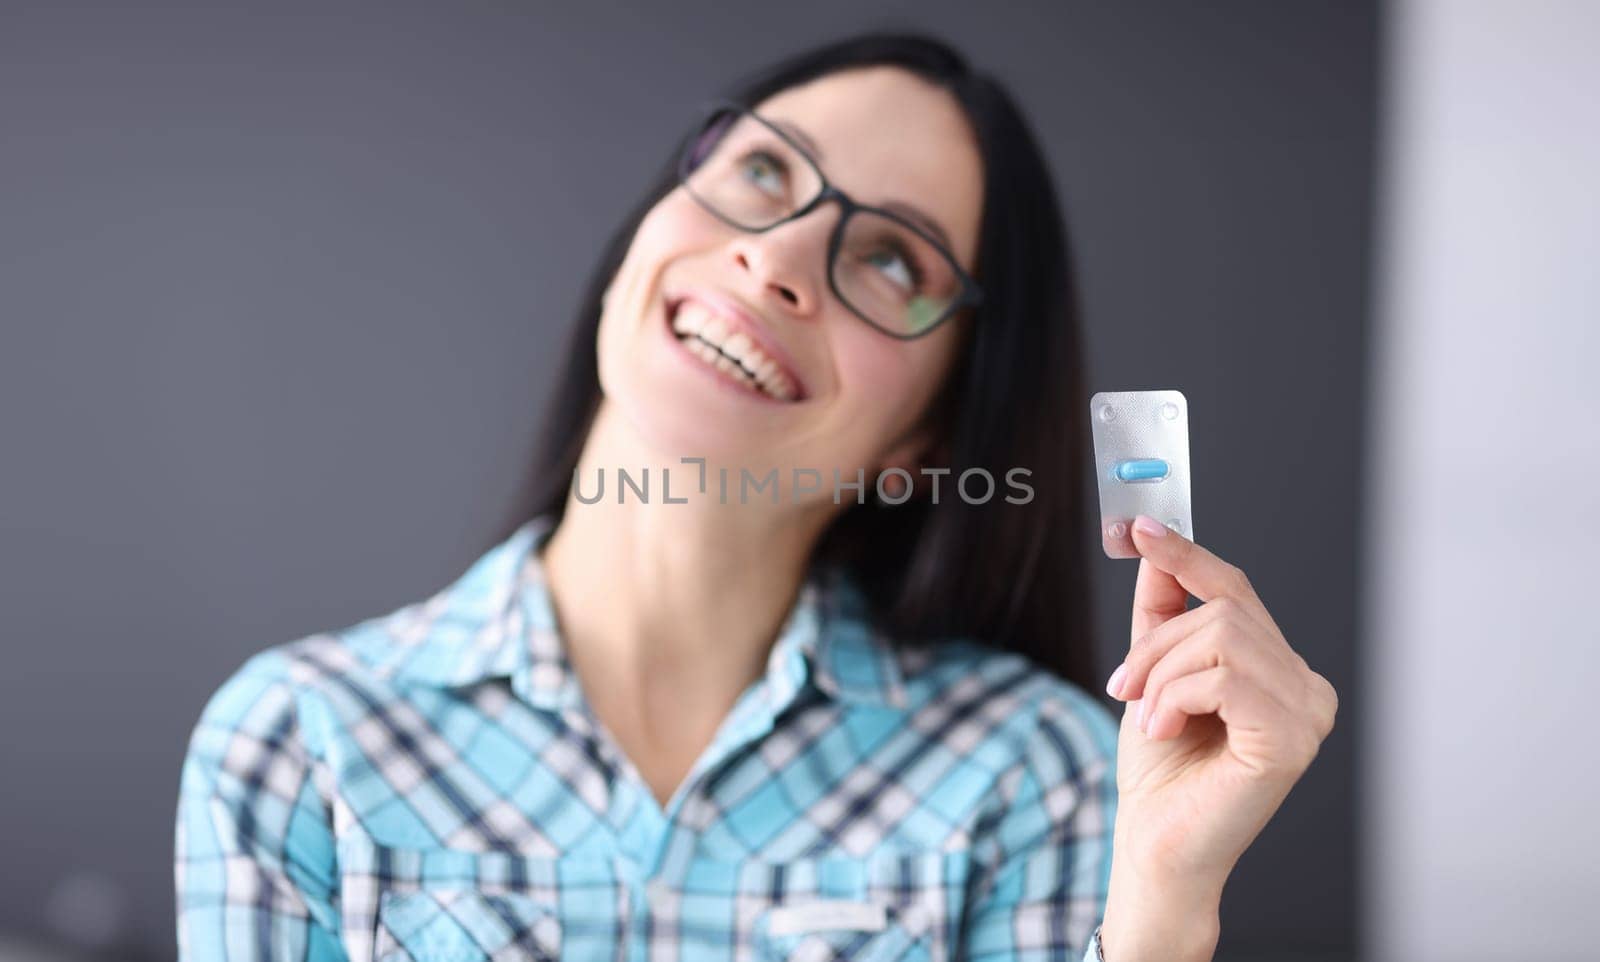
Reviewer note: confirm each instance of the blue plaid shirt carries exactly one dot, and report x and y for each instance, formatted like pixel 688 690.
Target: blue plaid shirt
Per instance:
pixel 431 785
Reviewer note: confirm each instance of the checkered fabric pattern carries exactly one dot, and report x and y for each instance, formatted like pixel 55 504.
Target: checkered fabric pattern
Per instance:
pixel 431 784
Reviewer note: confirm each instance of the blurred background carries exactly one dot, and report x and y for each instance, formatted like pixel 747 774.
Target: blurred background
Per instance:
pixel 282 288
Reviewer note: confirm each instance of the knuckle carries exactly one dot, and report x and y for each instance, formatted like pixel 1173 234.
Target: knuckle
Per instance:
pixel 1225 606
pixel 1230 619
pixel 1329 702
pixel 1225 678
pixel 1225 647
pixel 1226 640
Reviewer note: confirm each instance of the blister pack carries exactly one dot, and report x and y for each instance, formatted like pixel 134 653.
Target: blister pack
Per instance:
pixel 1141 456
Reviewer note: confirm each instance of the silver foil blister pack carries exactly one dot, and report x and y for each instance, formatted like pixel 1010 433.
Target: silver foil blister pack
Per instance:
pixel 1141 456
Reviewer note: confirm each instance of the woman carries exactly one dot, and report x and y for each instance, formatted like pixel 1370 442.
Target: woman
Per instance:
pixel 745 681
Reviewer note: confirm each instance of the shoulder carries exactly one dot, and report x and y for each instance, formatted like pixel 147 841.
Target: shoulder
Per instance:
pixel 260 708
pixel 1052 727
pixel 467 629
pixel 294 695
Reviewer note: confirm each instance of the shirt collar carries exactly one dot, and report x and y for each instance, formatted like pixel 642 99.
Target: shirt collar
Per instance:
pixel 496 621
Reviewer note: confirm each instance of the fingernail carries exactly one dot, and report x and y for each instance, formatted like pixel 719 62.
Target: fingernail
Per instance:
pixel 1114 686
pixel 1150 526
pixel 1138 714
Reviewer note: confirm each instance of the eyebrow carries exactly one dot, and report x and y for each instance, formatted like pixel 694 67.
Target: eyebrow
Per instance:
pixel 908 211
pixel 928 223
pixel 800 135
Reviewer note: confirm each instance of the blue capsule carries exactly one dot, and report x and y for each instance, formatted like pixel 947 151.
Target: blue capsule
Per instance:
pixel 1145 469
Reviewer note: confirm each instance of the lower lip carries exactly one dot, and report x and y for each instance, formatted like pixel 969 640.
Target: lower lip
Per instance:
pixel 728 382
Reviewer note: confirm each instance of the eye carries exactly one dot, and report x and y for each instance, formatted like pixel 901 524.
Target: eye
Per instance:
pixel 765 171
pixel 898 265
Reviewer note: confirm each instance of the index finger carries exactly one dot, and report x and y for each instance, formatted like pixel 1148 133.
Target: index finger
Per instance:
pixel 1157 599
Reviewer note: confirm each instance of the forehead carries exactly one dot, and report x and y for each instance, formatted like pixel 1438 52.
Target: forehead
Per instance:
pixel 884 134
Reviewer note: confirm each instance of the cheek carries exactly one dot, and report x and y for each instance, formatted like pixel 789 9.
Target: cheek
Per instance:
pixel 885 383
pixel 674 227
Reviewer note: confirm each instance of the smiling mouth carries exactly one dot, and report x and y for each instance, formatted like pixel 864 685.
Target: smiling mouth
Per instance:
pixel 710 338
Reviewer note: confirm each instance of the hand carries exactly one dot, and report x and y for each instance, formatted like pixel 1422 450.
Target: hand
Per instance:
pixel 1232 716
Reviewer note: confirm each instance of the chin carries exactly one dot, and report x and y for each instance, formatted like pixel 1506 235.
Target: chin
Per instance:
pixel 670 420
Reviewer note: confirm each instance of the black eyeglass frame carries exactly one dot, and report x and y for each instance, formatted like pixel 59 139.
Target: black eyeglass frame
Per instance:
pixel 970 295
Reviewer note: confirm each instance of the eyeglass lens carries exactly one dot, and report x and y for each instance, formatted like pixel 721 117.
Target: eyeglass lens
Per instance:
pixel 751 177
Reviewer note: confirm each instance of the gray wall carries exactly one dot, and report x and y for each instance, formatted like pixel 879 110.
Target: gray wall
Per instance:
pixel 1485 523
pixel 282 291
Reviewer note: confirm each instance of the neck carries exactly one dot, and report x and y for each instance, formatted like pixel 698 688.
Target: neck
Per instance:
pixel 684 598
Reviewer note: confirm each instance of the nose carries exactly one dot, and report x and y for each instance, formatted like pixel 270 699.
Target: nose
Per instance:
pixel 789 261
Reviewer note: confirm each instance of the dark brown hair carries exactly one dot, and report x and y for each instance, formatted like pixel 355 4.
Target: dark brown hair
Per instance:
pixel 1010 576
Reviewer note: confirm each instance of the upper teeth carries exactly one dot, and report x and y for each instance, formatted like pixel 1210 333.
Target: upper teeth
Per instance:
pixel 714 341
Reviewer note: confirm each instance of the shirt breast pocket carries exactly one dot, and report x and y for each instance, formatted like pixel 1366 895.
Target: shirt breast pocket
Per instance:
pixel 839 929
pixel 450 905
pixel 462 925
pixel 890 907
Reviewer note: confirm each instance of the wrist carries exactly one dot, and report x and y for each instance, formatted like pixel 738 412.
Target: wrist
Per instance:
pixel 1158 917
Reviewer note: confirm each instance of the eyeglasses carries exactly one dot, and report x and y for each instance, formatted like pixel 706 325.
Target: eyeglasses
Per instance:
pixel 889 271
